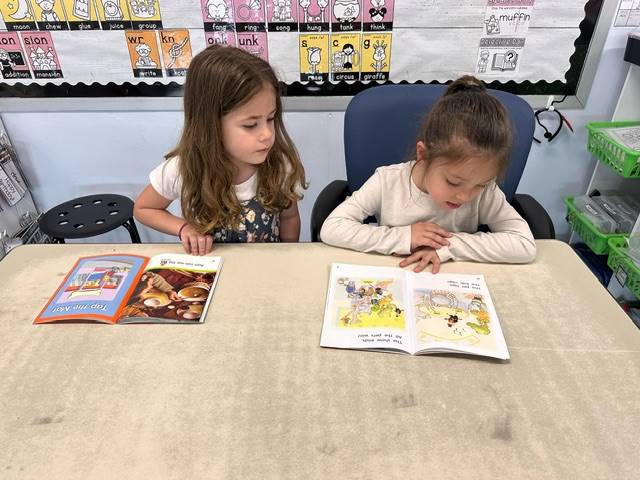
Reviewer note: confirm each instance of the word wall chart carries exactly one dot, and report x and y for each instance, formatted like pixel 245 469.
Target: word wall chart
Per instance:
pixel 308 41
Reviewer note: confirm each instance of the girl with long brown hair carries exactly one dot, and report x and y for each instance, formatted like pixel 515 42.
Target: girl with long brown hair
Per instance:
pixel 235 169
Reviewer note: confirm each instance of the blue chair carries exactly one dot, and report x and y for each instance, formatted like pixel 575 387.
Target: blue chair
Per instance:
pixel 381 128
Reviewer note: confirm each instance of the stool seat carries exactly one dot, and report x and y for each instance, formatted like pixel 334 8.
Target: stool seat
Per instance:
pixel 89 216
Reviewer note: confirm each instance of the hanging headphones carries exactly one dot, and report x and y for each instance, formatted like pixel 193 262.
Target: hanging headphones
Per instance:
pixel 562 120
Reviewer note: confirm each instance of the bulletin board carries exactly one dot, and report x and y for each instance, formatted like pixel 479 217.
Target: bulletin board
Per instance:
pixel 58 48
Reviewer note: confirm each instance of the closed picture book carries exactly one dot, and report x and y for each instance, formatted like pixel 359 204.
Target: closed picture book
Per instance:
pixel 122 288
pixel 394 310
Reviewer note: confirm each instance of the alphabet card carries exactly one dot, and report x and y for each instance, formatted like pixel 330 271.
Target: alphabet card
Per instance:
pixel 81 15
pixel 345 56
pixel 13 61
pixel 145 14
pixel 50 15
pixel 225 38
pixel 18 15
pixel 314 57
pixel 113 14
pixel 249 15
pixel 313 15
pixel 507 17
pixel 176 51
pixel 377 15
pixel 42 54
pixel 346 15
pixel 217 15
pixel 254 43
pixel 376 56
pixel 144 53
pixel 499 55
pixel 282 15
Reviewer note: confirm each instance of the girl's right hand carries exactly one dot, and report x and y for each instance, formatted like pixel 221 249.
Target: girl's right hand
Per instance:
pixel 194 242
pixel 428 234
pixel 423 257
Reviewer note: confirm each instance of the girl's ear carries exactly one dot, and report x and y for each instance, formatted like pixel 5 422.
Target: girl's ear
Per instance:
pixel 421 151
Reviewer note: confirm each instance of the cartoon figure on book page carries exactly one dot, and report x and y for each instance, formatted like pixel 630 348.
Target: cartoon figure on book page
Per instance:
pixel 365 303
pixel 451 316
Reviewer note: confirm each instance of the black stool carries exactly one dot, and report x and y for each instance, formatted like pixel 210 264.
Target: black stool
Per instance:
pixel 89 216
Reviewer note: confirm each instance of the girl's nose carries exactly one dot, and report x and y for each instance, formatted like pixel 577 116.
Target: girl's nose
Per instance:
pixel 463 196
pixel 266 132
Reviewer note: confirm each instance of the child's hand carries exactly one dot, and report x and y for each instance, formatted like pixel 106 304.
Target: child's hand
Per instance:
pixel 428 234
pixel 424 256
pixel 194 242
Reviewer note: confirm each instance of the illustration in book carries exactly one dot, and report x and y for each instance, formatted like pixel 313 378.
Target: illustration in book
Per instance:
pixel 387 308
pixel 167 288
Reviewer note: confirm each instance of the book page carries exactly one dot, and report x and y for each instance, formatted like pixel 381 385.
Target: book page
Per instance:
pixel 365 309
pixel 454 313
pixel 174 288
pixel 94 289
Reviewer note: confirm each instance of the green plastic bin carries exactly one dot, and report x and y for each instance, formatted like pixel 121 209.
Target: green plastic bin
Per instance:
pixel 597 241
pixel 623 267
pixel 620 158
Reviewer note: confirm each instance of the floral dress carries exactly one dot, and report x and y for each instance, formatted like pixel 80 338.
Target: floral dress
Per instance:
pixel 257 225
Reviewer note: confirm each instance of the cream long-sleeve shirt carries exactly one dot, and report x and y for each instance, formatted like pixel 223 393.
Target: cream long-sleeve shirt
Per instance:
pixel 394 199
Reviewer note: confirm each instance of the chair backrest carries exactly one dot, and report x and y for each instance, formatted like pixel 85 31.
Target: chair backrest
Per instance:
pixel 381 126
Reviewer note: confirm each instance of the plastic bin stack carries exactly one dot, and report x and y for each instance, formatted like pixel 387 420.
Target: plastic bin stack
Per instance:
pixel 605 222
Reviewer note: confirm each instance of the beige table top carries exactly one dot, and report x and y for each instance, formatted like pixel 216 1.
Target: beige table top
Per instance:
pixel 250 394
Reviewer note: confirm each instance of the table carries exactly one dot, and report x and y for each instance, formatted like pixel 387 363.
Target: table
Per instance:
pixel 250 394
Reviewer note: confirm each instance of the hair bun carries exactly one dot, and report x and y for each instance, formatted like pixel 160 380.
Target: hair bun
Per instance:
pixel 466 83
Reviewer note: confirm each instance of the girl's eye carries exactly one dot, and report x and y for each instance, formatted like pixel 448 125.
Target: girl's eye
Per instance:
pixel 452 183
pixel 253 125
pixel 271 119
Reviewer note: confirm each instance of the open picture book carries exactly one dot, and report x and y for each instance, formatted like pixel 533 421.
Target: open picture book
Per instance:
pixel 396 310
pixel 121 288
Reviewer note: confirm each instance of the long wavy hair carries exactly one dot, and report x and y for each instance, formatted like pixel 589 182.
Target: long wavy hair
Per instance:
pixel 219 80
pixel 468 122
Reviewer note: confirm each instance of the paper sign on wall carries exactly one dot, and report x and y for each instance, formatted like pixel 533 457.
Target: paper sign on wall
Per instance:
pixel 314 57
pixel 81 14
pixel 345 56
pixel 18 15
pixel 13 61
pixel 376 56
pixel 499 55
pixel 224 38
pixel 144 53
pixel 50 15
pixel 346 15
pixel 217 15
pixel 113 14
pixel 41 54
pixel 145 14
pixel 176 51
pixel 377 15
pixel 254 43
pixel 313 15
pixel 507 17
pixel 282 15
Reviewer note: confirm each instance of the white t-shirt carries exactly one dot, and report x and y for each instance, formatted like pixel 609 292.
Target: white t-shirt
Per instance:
pixel 165 179
pixel 256 223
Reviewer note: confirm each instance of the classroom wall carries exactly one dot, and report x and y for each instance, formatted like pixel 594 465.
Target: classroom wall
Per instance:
pixel 68 154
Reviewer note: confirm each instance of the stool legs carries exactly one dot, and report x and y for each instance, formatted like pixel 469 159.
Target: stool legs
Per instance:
pixel 130 225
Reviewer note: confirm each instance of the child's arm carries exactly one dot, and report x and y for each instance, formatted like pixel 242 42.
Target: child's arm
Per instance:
pixel 290 224
pixel 344 227
pixel 150 209
pixel 510 240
